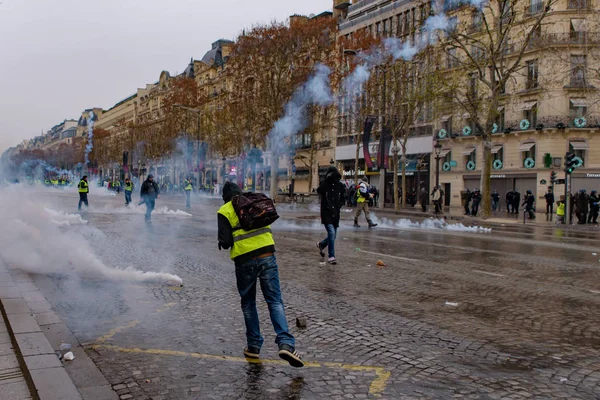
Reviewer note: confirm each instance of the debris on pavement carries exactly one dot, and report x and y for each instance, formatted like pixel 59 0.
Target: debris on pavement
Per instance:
pixel 380 263
pixel 301 322
pixel 451 304
pixel 69 356
pixel 358 249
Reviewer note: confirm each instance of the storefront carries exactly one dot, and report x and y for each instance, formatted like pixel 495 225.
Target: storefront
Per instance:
pixel 503 183
pixel 586 180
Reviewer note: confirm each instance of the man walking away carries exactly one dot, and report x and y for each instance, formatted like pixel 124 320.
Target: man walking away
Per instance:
pixel 549 196
pixel 594 208
pixel 423 199
pixel 495 201
pixel 509 201
pixel 188 186
pixel 117 186
pixel 529 202
pixel 84 189
pixel 332 198
pixel 149 193
pixel 253 255
pixel 582 203
pixel 128 190
pixel 362 197
pixel 436 196
pixel 476 202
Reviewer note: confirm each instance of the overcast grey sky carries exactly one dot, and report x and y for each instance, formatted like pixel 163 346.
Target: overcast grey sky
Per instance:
pixel 58 57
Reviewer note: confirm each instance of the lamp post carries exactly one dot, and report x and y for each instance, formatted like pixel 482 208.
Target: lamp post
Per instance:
pixel 438 150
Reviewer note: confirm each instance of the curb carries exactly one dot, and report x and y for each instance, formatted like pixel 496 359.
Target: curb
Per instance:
pixel 28 317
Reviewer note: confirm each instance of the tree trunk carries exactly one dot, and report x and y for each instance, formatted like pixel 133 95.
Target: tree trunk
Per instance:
pixel 395 172
pixel 311 160
pixel 486 191
pixel 274 171
pixel 403 177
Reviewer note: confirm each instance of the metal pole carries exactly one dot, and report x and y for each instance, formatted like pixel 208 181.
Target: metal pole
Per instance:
pixel 437 170
pixel 567 198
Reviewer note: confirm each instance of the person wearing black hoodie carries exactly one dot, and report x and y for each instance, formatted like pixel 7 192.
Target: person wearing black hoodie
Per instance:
pixel 332 193
pixel 148 194
pixel 253 253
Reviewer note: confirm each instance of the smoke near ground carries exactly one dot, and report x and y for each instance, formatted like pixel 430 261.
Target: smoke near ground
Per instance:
pixel 37 238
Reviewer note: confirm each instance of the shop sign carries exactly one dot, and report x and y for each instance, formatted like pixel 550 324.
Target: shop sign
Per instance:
pixel 351 172
pixel 592 175
pixel 497 176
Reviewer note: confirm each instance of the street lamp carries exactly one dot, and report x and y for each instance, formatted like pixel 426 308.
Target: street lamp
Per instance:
pixel 438 150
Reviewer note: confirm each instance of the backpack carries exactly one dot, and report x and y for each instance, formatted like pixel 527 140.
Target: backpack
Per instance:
pixel 254 210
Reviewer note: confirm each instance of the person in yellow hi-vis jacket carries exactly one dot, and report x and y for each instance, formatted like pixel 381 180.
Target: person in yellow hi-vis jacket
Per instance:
pixel 253 253
pixel 188 186
pixel 362 200
pixel 84 189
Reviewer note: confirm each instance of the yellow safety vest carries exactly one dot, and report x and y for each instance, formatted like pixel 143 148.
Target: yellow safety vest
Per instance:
pixel 128 186
pixel 83 187
pixel 244 241
pixel 359 196
pixel 188 185
pixel 560 211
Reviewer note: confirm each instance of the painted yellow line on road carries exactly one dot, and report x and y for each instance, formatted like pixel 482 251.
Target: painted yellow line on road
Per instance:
pixel 375 389
pixel 118 329
pixel 165 307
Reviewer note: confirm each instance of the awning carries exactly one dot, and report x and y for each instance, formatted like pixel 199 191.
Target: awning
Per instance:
pixel 528 105
pixel 445 118
pixel 497 148
pixel 579 145
pixel 466 115
pixel 444 152
pixel 579 103
pixel 526 146
pixel 578 25
pixel 468 152
pixel 500 109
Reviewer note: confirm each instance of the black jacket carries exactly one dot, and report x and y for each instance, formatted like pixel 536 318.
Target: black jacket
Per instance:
pixel 549 198
pixel 332 193
pixel 225 230
pixel 529 201
pixel 145 192
pixel 594 201
pixel 582 202
pixel 476 198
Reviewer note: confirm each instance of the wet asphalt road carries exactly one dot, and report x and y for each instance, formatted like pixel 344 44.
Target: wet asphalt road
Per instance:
pixel 509 314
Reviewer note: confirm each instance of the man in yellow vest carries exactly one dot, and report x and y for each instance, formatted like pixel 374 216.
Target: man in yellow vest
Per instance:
pixel 254 258
pixel 188 186
pixel 128 190
pixel 84 189
pixel 362 200
pixel 560 210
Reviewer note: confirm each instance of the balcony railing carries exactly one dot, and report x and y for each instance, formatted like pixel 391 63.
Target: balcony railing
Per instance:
pixel 578 82
pixel 570 38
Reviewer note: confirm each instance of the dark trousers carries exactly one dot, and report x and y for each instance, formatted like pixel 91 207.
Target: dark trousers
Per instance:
pixel 467 209
pixel 424 207
pixel 593 216
pixel 531 213
pixel 550 208
pixel 475 209
pixel 150 203
pixel 127 197
pixel 437 205
pixel 515 208
pixel 82 200
pixel 582 217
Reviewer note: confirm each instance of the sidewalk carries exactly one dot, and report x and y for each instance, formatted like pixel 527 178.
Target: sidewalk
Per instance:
pixel 29 365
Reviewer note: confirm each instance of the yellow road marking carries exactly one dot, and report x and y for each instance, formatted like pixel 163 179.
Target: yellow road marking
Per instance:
pixel 118 329
pixel 377 386
pixel 165 307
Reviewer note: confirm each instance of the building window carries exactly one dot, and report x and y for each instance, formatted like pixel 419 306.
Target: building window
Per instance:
pixel 470 155
pixel 578 32
pixel 578 4
pixel 498 153
pixel 536 7
pixel 579 148
pixel 447 125
pixel 532 74
pixel 530 115
pixel 379 29
pixel 452 58
pixel 578 70
pixel 447 158
pixel 473 80
pixel 527 152
pixel 577 108
pixel 500 120
pixel 476 22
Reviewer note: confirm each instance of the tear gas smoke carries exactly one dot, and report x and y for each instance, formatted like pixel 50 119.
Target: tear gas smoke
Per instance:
pixel 37 239
pixel 428 224
pixel 314 91
pixel 90 144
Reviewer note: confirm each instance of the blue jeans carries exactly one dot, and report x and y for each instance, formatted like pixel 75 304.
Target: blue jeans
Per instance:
pixel 188 194
pixel 127 197
pixel 82 200
pixel 265 270
pixel 150 203
pixel 329 241
pixel 494 205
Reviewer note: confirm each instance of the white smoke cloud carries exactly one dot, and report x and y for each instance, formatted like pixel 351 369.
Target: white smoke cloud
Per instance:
pixel 90 143
pixel 38 239
pixel 295 119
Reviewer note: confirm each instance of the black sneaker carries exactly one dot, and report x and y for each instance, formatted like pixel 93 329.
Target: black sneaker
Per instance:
pixel 321 251
pixel 252 352
pixel 289 354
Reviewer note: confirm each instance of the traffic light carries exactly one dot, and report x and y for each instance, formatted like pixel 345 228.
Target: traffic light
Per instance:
pixel 570 162
pixel 552 177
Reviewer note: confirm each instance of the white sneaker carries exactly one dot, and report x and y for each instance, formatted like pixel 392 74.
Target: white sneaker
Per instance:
pixel 332 260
